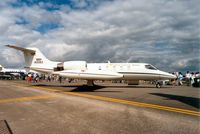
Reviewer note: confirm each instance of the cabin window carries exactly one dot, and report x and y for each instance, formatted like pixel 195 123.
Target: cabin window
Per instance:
pixel 150 67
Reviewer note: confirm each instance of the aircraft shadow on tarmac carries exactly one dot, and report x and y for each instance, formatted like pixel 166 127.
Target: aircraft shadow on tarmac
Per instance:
pixel 194 102
pixel 78 88
pixel 138 86
pixel 95 88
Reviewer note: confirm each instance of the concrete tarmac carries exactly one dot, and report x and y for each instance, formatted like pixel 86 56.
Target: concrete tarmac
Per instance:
pixel 55 108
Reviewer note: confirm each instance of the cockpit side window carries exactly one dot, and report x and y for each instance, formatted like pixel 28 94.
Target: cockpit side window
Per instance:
pixel 150 67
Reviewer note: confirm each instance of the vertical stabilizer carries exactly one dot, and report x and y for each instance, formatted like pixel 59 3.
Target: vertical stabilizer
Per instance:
pixel 35 60
pixel 1 68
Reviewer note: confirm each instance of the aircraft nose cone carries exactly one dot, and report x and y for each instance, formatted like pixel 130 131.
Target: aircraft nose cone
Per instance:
pixel 171 76
pixel 165 75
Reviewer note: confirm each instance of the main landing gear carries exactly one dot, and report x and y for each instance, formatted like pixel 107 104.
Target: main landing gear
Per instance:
pixel 90 83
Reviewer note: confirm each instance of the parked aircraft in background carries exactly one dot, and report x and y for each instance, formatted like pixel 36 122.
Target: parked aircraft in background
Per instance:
pixel 133 72
pixel 12 70
pixel 9 73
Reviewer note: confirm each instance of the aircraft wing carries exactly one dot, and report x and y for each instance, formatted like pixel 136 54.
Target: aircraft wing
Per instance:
pixel 89 74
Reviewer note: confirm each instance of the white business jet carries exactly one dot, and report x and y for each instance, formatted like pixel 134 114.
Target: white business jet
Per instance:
pixel 13 71
pixel 36 61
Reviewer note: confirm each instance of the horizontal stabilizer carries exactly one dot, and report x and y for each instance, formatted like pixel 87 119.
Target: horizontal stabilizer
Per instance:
pixel 22 49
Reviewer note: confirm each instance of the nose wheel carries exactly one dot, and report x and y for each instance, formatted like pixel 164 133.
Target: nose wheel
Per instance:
pixel 158 84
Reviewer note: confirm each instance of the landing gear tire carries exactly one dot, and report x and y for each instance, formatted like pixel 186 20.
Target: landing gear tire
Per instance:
pixel 158 84
pixel 90 83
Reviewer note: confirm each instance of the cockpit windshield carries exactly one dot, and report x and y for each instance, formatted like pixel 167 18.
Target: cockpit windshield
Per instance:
pixel 150 67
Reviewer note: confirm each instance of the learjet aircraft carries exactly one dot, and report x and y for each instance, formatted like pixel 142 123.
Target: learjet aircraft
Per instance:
pixel 133 72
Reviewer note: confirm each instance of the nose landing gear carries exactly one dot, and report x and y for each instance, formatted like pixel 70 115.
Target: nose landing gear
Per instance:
pixel 158 84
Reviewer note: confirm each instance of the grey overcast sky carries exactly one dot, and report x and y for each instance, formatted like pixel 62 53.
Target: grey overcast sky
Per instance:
pixel 165 33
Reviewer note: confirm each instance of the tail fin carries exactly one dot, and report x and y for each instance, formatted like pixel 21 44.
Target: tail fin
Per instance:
pixel 34 59
pixel 1 68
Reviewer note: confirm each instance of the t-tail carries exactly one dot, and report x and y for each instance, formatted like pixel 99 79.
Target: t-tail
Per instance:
pixel 1 68
pixel 35 60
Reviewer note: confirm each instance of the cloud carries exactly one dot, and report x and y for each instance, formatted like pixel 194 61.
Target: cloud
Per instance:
pixel 164 33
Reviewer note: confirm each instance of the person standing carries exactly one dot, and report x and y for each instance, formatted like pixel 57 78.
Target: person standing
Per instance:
pixel 188 78
pixel 60 79
pixel 180 78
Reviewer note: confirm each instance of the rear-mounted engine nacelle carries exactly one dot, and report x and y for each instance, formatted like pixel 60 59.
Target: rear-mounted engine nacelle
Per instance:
pixel 71 65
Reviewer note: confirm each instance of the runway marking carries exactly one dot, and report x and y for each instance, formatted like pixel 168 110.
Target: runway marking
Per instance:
pixel 48 89
pixel 25 99
pixel 139 104
pixel 132 103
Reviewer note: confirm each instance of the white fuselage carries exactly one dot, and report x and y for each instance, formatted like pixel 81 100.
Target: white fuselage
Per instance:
pixel 106 71
pixel 132 71
pixel 12 71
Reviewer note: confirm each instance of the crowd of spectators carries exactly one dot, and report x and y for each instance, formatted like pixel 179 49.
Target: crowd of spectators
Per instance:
pixel 35 77
pixel 190 79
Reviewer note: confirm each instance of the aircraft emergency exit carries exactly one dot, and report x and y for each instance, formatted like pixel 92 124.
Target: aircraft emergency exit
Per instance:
pixel 36 61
